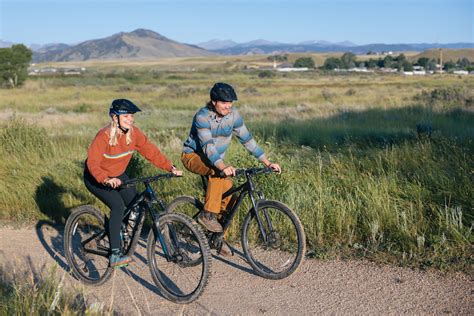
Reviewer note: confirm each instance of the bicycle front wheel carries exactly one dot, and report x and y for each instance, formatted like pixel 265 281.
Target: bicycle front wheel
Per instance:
pixel 274 249
pixel 86 245
pixel 179 258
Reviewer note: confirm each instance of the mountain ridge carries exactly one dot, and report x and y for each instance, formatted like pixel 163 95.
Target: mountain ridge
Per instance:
pixel 138 44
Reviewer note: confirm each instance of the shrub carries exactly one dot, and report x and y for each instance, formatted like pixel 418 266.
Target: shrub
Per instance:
pixel 266 74
pixel 302 62
pixel 446 97
pixel 350 92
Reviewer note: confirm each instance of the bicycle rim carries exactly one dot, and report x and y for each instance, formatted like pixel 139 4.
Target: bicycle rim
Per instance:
pixel 87 247
pixel 183 274
pixel 279 253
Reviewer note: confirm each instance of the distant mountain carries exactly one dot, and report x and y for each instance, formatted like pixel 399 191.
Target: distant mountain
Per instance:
pixel 48 47
pixel 139 44
pixel 217 44
pixel 266 47
pixel 4 44
pixel 36 47
pixel 326 43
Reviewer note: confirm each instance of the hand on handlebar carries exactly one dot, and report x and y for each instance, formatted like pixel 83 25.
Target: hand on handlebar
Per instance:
pixel 229 171
pixel 177 172
pixel 275 167
pixel 113 182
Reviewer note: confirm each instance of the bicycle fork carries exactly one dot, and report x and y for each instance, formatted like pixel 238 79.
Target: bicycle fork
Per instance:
pixel 261 225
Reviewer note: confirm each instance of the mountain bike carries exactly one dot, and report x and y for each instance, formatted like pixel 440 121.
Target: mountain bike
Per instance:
pixel 272 236
pixel 174 240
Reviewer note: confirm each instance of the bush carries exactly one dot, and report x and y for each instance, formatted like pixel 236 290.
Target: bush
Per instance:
pixel 302 62
pixel 446 97
pixel 350 92
pixel 266 74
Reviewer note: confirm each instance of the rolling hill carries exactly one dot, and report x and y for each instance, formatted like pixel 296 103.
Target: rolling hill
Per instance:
pixel 139 44
pixel 448 54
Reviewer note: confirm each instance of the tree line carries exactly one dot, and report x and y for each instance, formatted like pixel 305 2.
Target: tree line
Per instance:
pixel 400 62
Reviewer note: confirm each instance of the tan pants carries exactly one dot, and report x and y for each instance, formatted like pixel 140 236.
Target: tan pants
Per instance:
pixel 216 185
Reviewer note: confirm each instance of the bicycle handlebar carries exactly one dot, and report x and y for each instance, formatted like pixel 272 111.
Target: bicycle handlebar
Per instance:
pixel 250 171
pixel 147 179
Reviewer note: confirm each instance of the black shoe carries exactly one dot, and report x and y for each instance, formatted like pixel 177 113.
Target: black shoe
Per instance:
pixel 209 220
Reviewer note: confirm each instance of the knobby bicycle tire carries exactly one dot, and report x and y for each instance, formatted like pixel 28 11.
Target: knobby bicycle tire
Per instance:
pixel 284 252
pixel 184 239
pixel 84 223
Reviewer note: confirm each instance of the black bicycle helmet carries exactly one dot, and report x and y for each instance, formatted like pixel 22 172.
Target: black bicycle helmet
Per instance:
pixel 123 106
pixel 223 92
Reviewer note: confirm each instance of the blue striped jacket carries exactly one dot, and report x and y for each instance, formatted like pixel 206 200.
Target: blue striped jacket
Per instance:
pixel 211 135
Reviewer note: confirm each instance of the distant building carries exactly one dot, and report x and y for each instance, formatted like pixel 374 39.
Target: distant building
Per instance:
pixel 360 69
pixel 388 69
pixel 419 72
pixel 289 69
pixel 32 71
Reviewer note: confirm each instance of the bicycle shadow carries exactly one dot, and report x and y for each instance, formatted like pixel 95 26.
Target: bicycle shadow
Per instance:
pixel 50 231
pixel 53 241
pixel 134 275
pixel 231 261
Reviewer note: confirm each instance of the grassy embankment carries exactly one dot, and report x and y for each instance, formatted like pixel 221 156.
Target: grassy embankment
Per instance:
pixel 361 179
pixel 29 292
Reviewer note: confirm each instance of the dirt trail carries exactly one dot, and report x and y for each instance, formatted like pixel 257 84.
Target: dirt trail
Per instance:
pixel 319 287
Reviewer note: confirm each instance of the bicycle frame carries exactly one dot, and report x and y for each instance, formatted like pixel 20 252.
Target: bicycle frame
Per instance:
pixel 246 188
pixel 143 203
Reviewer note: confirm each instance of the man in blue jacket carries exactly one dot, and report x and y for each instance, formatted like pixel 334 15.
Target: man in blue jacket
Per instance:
pixel 204 151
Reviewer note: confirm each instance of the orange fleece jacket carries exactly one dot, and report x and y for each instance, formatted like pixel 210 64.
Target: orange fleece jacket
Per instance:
pixel 105 161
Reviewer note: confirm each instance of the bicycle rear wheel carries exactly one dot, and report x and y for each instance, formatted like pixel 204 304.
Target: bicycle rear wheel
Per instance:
pixel 281 251
pixel 86 245
pixel 180 242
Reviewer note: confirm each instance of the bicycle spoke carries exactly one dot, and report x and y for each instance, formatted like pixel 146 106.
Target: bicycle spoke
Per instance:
pixel 182 273
pixel 280 250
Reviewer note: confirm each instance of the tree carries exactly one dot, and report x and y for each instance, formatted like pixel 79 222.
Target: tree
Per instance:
pixel 432 65
pixel 401 59
pixel 278 57
pixel 423 62
pixel 388 62
pixel 464 63
pixel 407 66
pixel 449 65
pixel 371 63
pixel 304 62
pixel 332 63
pixel 14 63
pixel 348 60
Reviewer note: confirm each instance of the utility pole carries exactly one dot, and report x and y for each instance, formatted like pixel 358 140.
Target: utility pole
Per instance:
pixel 441 59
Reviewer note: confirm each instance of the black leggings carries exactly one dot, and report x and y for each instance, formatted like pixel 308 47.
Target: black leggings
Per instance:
pixel 116 199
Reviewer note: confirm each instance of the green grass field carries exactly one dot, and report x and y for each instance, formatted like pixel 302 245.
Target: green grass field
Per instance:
pixel 362 179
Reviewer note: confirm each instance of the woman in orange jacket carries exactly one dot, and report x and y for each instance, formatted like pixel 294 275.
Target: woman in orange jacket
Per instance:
pixel 108 157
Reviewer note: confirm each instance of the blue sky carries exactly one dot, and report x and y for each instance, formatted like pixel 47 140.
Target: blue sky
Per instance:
pixel 292 21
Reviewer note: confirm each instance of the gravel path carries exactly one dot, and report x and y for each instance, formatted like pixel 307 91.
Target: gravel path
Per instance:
pixel 319 287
